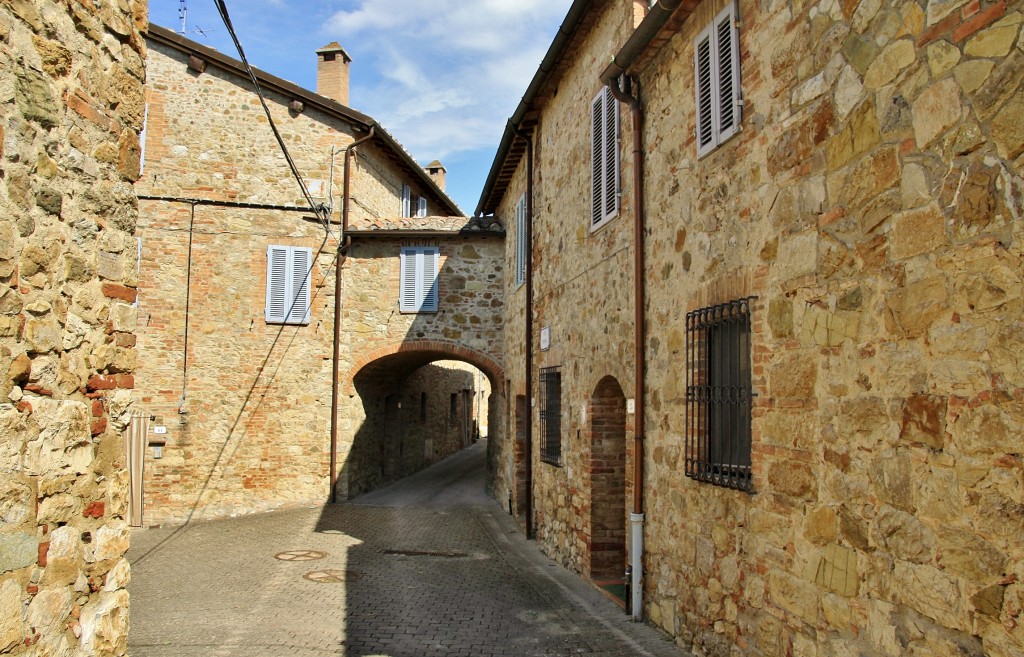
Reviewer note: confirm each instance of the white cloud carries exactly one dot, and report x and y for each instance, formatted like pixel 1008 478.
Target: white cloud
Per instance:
pixel 446 73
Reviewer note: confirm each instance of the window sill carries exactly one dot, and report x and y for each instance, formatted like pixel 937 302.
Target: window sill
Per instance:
pixel 595 228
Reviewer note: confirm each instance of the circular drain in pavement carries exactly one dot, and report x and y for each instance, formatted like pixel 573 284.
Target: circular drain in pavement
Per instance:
pixel 300 555
pixel 333 576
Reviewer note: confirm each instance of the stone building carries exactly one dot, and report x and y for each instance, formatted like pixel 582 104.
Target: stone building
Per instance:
pixel 796 255
pixel 237 293
pixel 71 107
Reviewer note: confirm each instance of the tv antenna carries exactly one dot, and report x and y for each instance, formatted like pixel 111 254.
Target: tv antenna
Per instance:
pixel 183 15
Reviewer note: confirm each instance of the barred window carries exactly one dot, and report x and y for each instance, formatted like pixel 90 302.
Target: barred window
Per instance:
pixel 718 394
pixel 551 415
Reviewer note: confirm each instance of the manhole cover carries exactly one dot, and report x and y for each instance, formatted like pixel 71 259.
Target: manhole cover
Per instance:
pixel 333 576
pixel 300 555
pixel 451 554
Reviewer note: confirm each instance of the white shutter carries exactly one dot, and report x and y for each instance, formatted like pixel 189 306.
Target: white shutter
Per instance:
pixel 596 158
pixel 406 201
pixel 521 255
pixel 717 81
pixel 298 297
pixel 611 154
pixel 705 93
pixel 288 275
pixel 728 73
pixel 604 130
pixel 421 207
pixel 277 283
pixel 418 288
pixel 429 279
pixel 407 284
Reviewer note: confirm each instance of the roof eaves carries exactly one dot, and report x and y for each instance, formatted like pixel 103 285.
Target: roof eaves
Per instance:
pixel 323 103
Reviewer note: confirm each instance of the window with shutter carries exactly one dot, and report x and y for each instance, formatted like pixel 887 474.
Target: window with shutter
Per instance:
pixel 521 241
pixel 604 151
pixel 716 64
pixel 418 291
pixel 406 201
pixel 288 273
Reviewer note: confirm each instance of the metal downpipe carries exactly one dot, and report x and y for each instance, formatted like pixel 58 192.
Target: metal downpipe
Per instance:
pixel 529 327
pixel 636 518
pixel 343 247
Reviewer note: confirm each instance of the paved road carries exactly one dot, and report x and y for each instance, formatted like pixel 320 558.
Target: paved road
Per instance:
pixel 427 567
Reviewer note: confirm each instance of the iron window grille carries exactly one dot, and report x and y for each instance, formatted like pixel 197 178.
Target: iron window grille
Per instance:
pixel 719 394
pixel 551 415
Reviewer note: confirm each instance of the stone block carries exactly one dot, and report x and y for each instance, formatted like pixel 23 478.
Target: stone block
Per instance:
pixel 837 571
pixel 104 622
pixel 903 535
pixel 942 56
pixel 916 232
pixel 793 479
pixel 895 57
pixel 892 477
pixel 63 443
pixel 1007 128
pixel 936 110
pixel 964 553
pixel 12 628
pixel 793 376
pixel 924 420
pixel 989 430
pixel 931 593
pixel 794 595
pixel 17 550
pixel 913 308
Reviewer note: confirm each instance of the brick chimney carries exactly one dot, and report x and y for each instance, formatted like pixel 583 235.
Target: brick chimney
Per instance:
pixel 436 171
pixel 332 72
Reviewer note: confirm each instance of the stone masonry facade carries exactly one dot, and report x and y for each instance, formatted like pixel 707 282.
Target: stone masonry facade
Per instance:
pixel 71 108
pixel 871 205
pixel 246 403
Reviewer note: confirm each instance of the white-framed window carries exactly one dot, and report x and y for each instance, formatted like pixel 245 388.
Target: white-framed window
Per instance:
pixel 288 274
pixel 604 154
pixel 410 201
pixel 418 285
pixel 406 201
pixel 521 254
pixel 716 61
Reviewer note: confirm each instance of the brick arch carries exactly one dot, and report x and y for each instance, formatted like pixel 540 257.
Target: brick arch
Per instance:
pixel 429 350
pixel 607 474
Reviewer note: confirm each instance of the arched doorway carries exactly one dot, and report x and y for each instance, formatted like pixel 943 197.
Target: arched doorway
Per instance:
pixel 607 469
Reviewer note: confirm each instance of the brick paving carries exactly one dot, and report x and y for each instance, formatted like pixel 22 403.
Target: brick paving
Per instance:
pixel 428 567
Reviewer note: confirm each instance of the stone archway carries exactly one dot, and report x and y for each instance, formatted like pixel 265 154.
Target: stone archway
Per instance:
pixel 410 354
pixel 607 471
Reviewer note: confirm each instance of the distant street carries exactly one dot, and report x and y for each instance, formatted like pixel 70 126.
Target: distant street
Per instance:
pixel 430 566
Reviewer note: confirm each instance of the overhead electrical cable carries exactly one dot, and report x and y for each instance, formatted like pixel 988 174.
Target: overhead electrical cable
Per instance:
pixel 320 212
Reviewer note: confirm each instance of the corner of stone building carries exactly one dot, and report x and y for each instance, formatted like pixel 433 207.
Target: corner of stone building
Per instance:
pixel 67 321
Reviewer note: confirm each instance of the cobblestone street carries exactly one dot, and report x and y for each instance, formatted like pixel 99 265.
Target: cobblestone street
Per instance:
pixel 430 566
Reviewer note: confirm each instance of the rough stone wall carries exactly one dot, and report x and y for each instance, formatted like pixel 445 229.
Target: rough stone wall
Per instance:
pixel 256 433
pixel 71 107
pixel 583 291
pixel 872 203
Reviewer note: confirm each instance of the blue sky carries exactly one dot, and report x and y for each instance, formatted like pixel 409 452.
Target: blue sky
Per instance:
pixel 442 76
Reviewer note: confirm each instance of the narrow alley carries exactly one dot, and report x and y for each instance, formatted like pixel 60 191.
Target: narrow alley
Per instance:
pixel 429 566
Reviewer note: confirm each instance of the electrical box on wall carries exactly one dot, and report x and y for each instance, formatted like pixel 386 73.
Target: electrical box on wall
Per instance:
pixel 545 338
pixel 630 406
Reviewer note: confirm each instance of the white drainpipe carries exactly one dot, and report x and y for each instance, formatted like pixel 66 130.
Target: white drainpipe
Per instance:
pixel 636 557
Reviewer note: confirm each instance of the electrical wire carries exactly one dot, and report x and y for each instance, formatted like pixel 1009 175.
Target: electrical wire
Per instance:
pixel 222 8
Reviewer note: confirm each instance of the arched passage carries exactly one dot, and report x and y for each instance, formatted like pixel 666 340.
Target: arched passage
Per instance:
pixel 607 470
pixel 412 404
